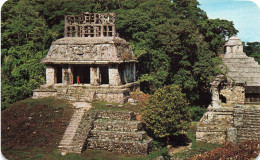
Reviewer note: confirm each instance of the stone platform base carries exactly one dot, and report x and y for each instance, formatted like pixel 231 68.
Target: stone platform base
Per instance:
pixel 87 93
pixel 118 131
pixel 115 131
pixel 235 124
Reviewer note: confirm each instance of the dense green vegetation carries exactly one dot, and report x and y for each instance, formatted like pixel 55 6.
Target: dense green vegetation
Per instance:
pixel 175 42
pixel 253 49
pixel 167 112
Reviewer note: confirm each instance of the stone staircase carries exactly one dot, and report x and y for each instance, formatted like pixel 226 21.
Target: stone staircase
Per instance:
pixel 118 131
pixel 71 141
pixel 115 131
pixel 247 122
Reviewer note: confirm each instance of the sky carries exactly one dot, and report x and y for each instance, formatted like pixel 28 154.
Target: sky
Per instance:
pixel 245 15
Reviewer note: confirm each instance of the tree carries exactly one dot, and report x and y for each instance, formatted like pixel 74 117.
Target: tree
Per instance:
pixel 252 49
pixel 174 41
pixel 167 112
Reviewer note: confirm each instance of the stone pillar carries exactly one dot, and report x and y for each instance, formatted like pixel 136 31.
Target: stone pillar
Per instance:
pixel 70 74
pixel 95 77
pixel 114 78
pixel 66 75
pixel 50 75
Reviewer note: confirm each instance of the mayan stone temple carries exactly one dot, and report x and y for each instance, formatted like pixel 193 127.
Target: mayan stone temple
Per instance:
pixel 90 63
pixel 234 114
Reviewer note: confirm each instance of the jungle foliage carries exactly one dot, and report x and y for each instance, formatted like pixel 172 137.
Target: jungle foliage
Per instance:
pixel 174 41
pixel 252 49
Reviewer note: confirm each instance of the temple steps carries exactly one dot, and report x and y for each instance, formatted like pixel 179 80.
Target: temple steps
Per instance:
pixel 67 144
pixel 118 131
pixel 127 147
pixel 121 136
pixel 244 74
pixel 245 69
pixel 118 125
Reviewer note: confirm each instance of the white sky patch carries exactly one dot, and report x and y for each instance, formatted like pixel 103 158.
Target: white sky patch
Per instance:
pixel 257 2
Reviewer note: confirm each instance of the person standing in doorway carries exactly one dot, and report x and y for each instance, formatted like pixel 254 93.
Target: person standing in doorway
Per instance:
pixel 78 82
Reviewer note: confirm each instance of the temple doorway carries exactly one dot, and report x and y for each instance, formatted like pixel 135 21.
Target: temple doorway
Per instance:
pixel 83 71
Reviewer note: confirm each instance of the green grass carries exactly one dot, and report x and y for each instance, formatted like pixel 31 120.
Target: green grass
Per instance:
pixel 197 147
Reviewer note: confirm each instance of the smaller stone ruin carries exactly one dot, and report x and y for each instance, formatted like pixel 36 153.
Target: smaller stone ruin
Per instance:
pixel 234 113
pixel 90 63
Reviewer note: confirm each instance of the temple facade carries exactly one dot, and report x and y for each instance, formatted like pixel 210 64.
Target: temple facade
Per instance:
pixel 234 113
pixel 90 63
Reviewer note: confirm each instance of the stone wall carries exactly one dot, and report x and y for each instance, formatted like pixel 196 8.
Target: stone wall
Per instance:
pixel 118 125
pixel 88 93
pixel 234 94
pixel 37 93
pixel 127 147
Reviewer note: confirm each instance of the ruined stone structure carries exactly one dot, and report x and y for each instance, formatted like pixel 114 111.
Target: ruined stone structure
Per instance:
pixel 116 131
pixel 90 62
pixel 234 114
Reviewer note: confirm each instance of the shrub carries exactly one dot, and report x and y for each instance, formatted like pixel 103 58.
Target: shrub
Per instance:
pixel 167 112
pixel 197 112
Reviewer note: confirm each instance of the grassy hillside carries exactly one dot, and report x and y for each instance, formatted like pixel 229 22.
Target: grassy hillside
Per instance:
pixel 32 129
pixel 31 125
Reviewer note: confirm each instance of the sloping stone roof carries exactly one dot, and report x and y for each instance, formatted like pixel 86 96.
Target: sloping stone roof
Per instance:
pixel 241 68
pixel 233 41
pixel 89 50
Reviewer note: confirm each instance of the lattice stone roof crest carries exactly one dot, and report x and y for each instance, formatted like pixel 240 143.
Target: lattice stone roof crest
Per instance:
pixel 90 25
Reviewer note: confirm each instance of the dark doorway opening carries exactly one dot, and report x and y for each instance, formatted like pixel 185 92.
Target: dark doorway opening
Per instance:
pixel 223 98
pixel 83 72
pixel 104 74
pixel 252 94
pixel 59 74
pixel 252 98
